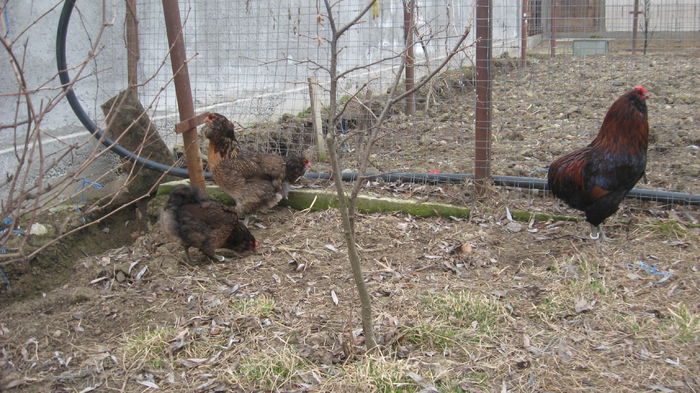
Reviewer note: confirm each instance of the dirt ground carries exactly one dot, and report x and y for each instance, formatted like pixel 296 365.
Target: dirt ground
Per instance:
pixel 478 305
pixel 483 304
pixel 540 113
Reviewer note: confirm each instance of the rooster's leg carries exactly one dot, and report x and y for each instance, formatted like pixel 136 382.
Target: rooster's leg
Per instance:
pixel 598 233
pixel 212 255
pixel 216 257
pixel 187 254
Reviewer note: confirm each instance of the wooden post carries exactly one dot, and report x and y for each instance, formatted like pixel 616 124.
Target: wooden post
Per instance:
pixel 553 30
pixel 316 118
pixel 132 43
pixel 408 20
pixel 482 140
pixel 183 91
pixel 523 35
pixel 635 26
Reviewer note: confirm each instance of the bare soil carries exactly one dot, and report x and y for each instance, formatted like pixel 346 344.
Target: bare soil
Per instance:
pixel 484 304
pixel 549 108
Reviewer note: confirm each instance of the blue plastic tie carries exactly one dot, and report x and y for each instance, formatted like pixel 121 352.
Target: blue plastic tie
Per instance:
pixel 8 221
pixel 649 269
pixel 86 182
pixel 7 18
pixel 652 269
pixel 83 183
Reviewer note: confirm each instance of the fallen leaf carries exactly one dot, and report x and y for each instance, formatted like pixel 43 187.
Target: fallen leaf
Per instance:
pixel 331 247
pixel 427 386
pixel 148 384
pixel 565 352
pixel 91 388
pixel 335 297
pixel 192 363
pixel 178 342
pixel 582 305
pixel 612 375
pixel 460 249
pixel 141 273
pixel 661 389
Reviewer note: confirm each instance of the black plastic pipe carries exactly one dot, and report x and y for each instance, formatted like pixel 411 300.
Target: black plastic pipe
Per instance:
pixel 90 125
pixel 435 178
pixel 510 181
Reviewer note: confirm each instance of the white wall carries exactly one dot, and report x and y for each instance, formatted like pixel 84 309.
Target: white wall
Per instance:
pixel 246 62
pixel 665 15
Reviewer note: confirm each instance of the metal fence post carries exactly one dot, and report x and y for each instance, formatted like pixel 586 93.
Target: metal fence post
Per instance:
pixel 553 30
pixel 523 34
pixel 482 140
pixel 183 91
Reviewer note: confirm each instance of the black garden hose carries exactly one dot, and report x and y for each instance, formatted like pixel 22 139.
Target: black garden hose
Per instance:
pixel 512 181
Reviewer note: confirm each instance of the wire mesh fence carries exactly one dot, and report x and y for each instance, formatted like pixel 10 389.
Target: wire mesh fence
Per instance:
pixel 252 63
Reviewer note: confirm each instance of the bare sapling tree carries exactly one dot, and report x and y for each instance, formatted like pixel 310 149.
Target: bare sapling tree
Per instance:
pixel 30 189
pixel 347 203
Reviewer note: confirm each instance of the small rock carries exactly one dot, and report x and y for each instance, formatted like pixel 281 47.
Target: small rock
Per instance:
pixel 121 276
pixel 38 229
pixel 78 315
pixel 514 227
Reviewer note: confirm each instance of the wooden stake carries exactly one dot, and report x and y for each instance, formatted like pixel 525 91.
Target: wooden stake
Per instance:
pixel 183 91
pixel 635 26
pixel 317 121
pixel 132 43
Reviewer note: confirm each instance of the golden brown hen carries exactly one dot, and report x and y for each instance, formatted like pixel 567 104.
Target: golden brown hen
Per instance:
pixel 254 180
pixel 195 220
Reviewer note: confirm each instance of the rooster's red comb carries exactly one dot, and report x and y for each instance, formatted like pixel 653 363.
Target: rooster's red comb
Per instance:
pixel 641 89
